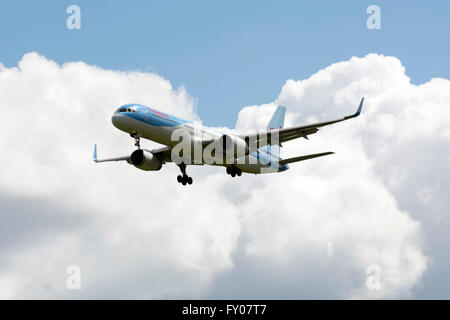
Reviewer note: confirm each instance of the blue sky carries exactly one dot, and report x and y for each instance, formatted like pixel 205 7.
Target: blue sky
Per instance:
pixel 386 202
pixel 229 54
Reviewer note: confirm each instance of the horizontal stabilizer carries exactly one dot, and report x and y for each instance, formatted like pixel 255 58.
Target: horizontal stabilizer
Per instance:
pixel 301 158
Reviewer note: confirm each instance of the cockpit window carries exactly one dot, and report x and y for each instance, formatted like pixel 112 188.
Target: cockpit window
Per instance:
pixel 126 109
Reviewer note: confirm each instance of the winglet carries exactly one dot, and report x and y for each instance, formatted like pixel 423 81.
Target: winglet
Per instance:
pixel 358 112
pixel 95 153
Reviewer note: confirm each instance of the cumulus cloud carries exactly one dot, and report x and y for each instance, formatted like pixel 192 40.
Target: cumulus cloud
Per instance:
pixel 312 231
pixel 402 136
pixel 139 234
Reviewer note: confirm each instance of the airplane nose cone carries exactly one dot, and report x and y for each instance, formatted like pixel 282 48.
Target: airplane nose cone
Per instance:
pixel 116 120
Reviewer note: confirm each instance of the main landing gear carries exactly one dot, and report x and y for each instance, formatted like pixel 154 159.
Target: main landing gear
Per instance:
pixel 233 171
pixel 137 139
pixel 183 179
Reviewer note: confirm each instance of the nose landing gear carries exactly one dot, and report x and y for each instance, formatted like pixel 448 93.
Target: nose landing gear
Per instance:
pixel 137 139
pixel 184 178
pixel 233 171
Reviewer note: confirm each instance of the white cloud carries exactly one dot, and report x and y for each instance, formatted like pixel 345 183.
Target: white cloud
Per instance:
pixel 143 235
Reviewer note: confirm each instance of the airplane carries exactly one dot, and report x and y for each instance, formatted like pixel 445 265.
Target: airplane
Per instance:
pixel 252 152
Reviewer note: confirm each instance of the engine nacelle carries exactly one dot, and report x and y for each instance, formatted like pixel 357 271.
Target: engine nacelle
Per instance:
pixel 145 160
pixel 233 146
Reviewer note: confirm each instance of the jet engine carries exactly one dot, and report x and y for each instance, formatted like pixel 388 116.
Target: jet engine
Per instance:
pixel 145 160
pixel 233 146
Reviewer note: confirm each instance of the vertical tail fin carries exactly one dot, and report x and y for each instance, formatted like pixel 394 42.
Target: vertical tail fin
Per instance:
pixel 277 122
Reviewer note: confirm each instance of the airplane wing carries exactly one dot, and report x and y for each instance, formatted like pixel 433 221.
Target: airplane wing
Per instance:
pixel 306 157
pixel 287 134
pixel 96 160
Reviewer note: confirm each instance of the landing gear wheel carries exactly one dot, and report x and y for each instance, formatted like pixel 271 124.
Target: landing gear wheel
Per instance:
pixel 184 178
pixel 233 171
